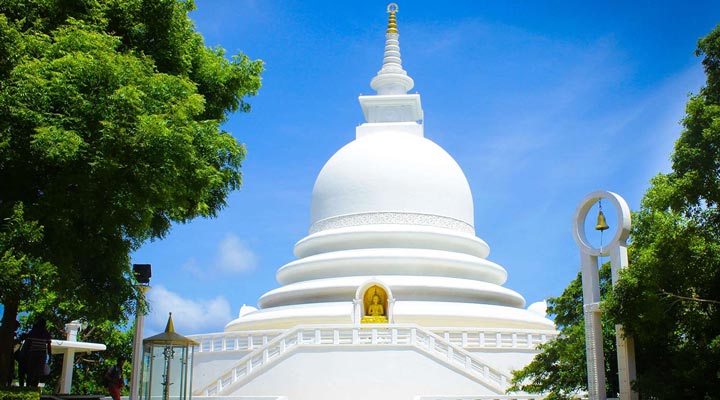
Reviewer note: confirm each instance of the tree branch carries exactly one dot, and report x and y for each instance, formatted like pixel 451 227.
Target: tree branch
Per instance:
pixel 677 296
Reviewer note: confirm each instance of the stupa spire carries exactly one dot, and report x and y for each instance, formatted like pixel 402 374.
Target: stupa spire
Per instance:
pixel 392 103
pixel 392 22
pixel 392 78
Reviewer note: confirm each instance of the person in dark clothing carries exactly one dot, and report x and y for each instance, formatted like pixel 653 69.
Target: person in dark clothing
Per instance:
pixel 21 357
pixel 16 347
pixel 38 352
pixel 114 379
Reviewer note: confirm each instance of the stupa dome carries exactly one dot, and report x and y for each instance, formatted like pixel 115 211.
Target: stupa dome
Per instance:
pixel 391 294
pixel 391 212
pixel 391 175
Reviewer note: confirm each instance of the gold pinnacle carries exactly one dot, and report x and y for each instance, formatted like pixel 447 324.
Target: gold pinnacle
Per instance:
pixel 392 8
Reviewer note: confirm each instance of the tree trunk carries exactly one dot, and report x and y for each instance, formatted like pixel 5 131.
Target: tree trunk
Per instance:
pixel 7 336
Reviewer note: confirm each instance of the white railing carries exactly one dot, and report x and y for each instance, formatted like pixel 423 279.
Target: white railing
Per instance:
pixel 470 339
pixel 233 341
pixel 431 344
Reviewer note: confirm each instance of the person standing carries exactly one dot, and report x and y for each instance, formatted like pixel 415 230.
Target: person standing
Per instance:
pixel 20 355
pixel 38 352
pixel 114 379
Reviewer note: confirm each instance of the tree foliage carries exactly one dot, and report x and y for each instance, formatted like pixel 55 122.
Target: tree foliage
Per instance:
pixel 669 299
pixel 110 131
pixel 24 278
pixel 560 369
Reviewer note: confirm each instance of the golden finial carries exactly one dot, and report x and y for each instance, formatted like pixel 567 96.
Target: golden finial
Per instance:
pixel 392 8
pixel 170 327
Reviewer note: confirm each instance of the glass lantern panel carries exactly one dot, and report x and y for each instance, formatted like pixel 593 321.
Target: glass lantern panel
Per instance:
pixel 146 372
pixel 168 368
pixel 166 372
pixel 189 364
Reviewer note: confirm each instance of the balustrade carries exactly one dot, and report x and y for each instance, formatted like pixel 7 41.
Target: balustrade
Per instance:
pixel 466 338
pixel 449 346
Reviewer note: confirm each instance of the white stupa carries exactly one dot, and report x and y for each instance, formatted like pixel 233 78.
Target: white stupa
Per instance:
pixel 391 295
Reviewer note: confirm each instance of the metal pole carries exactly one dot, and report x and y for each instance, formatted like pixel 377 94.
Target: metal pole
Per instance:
pixel 137 344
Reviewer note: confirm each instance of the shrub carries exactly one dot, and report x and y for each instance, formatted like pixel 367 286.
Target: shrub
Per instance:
pixel 19 393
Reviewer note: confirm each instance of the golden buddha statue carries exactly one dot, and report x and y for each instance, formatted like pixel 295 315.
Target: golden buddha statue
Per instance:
pixel 375 312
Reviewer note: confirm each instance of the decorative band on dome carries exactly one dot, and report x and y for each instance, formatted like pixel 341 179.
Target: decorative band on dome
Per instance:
pixel 398 218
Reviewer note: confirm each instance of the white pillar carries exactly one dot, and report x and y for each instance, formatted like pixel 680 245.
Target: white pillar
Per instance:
pixel 625 344
pixel 617 250
pixel 593 328
pixel 67 371
pixel 137 345
pixel 71 332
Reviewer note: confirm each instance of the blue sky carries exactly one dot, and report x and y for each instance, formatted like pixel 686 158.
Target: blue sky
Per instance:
pixel 539 102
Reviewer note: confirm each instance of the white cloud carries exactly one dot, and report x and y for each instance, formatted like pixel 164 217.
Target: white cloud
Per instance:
pixel 189 316
pixel 235 256
pixel 191 267
pixel 232 256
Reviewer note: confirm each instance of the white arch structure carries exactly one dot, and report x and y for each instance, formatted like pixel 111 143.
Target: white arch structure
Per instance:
pixel 617 250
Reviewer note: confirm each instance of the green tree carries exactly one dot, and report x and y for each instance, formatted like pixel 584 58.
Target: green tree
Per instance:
pixel 110 131
pixel 669 298
pixel 560 369
pixel 24 276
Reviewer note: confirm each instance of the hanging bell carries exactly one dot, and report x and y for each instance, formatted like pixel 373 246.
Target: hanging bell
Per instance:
pixel 601 223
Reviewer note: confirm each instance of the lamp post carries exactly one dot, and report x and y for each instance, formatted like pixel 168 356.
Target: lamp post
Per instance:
pixel 142 274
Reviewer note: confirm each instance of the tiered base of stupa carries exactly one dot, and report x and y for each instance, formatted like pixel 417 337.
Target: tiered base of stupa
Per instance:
pixel 445 338
pixel 364 361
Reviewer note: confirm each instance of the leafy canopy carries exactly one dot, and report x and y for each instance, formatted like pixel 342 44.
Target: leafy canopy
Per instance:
pixel 110 131
pixel 669 299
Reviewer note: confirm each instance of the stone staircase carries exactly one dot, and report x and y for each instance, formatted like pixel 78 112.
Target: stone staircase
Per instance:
pixel 338 336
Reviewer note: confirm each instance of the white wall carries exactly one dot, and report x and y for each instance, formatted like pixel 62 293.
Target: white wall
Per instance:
pixel 506 360
pixel 208 366
pixel 345 374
